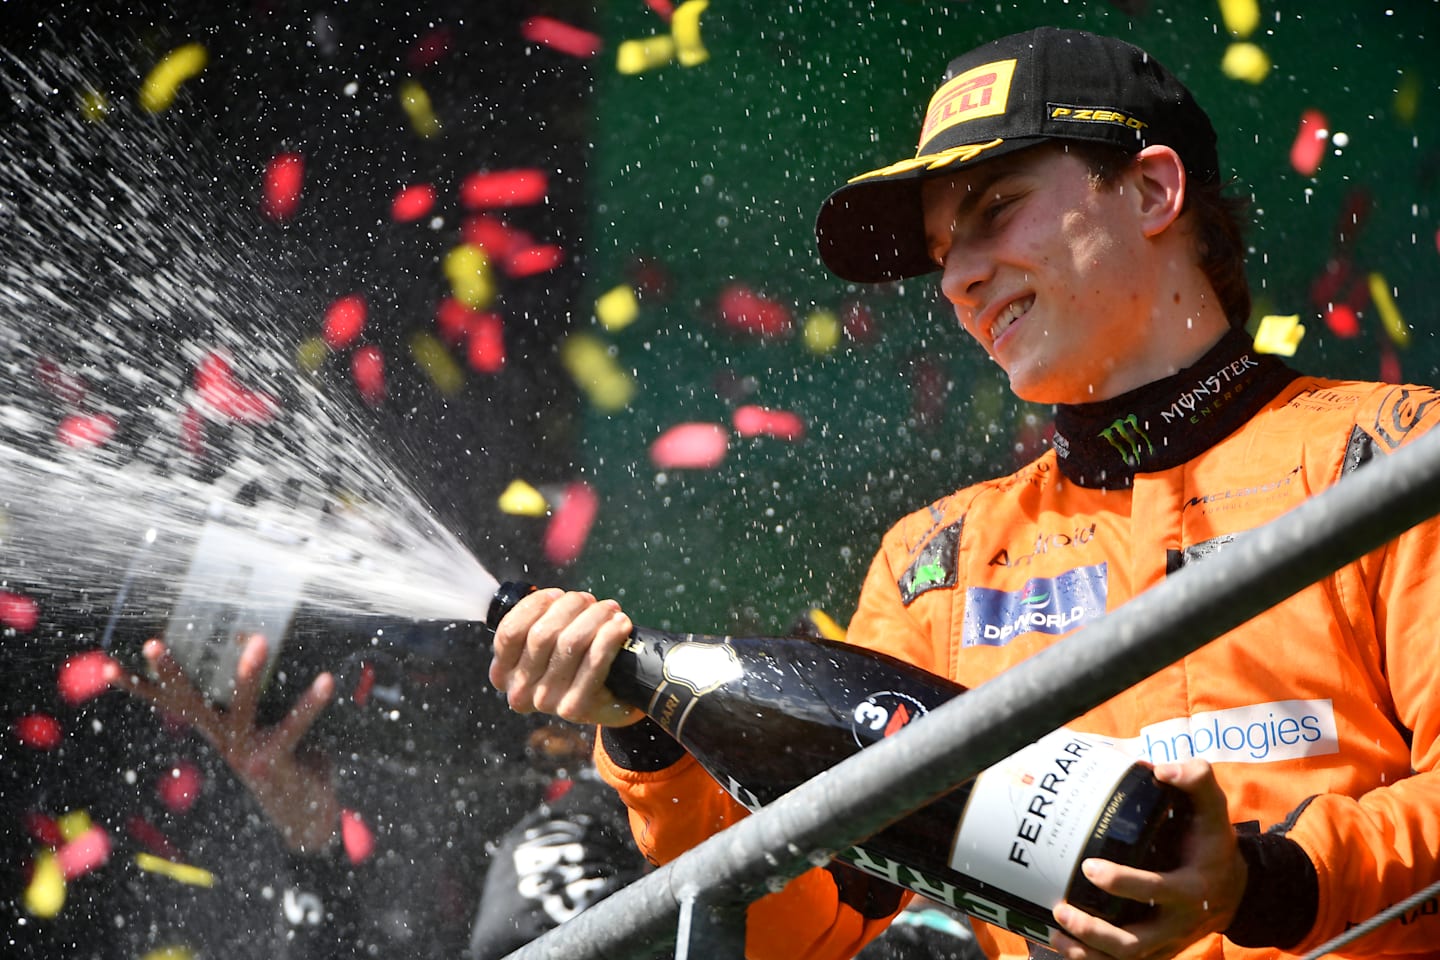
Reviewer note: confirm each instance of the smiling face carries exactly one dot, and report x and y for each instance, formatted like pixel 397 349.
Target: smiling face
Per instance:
pixel 1059 278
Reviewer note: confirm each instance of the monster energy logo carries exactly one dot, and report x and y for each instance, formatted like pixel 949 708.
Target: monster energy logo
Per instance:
pixel 1125 436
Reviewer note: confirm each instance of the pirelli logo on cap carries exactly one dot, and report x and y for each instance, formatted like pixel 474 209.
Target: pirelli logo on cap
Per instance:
pixel 982 91
pixel 1065 111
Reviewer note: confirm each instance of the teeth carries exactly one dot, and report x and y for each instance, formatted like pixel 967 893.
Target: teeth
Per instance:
pixel 1009 315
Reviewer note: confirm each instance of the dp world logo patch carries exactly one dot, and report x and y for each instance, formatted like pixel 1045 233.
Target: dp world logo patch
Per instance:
pixel 1051 605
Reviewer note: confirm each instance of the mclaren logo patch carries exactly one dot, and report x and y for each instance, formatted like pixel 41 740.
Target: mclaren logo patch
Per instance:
pixel 935 566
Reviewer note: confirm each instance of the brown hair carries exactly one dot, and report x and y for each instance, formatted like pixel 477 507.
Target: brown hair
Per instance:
pixel 1219 221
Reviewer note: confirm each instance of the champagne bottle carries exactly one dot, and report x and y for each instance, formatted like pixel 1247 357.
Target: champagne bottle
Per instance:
pixel 762 715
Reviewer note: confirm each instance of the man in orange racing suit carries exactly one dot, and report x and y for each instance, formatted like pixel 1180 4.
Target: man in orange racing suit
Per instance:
pixel 1067 189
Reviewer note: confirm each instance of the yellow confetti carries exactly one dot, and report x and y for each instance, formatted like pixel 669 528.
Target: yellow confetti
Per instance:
pixel 685 28
pixel 1241 16
pixel 94 105
pixel 1279 335
pixel 637 56
pixel 596 372
pixel 158 90
pixel 437 363
pixel 828 628
pixel 181 872
pixel 1245 61
pixel 822 331
pixel 45 893
pixel 617 308
pixel 1407 97
pixel 522 500
pixel 311 353
pixel 73 824
pixel 468 270
pixel 417 106
pixel 1390 318
pixel 174 952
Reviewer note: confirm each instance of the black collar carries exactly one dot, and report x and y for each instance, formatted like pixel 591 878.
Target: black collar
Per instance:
pixel 1165 423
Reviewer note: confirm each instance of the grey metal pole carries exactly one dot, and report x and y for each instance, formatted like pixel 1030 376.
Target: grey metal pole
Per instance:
pixel 928 758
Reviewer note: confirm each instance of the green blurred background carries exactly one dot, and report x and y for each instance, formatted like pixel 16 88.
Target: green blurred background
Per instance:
pixel 709 175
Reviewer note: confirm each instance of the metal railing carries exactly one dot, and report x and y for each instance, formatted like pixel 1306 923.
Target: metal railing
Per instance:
pixel 706 889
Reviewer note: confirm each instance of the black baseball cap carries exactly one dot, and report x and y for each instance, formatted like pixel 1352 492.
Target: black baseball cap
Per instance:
pixel 1012 93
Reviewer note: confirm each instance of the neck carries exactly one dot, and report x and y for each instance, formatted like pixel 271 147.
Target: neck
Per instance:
pixel 1167 421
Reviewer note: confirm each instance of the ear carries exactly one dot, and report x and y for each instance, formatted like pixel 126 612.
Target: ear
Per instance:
pixel 1160 187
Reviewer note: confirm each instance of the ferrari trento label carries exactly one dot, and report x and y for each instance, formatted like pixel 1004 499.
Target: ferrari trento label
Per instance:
pixel 690 671
pixel 1031 815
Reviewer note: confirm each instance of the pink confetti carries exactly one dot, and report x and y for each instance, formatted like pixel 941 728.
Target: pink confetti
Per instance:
pixel 83 676
pixel 561 36
pixel 498 238
pixel 533 260
pixel 664 8
pixel 215 382
pixel 693 446
pixel 412 203
pixel 284 178
pixel 486 351
pixel 1309 146
pixel 18 612
pixel 84 430
pixel 179 787
pixel 38 731
pixel 745 311
pixel 570 524
pixel 753 421
pixel 356 835
pixel 65 386
pixel 86 852
pixel 1342 320
pixel 367 366
pixel 344 321
pixel 504 188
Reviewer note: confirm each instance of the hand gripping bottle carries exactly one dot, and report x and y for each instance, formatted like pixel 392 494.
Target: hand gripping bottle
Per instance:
pixel 763 714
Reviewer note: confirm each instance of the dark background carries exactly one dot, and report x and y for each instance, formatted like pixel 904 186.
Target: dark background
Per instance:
pixel 679 181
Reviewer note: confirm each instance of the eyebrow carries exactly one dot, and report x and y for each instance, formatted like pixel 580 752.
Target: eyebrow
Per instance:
pixel 975 195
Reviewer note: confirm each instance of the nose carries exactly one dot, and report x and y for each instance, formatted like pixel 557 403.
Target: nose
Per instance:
pixel 964 272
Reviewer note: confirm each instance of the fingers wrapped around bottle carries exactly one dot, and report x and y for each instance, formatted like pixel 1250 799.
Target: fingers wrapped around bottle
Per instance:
pixel 553 652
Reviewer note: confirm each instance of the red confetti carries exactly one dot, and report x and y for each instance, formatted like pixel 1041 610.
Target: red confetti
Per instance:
pixel 84 430
pixel 82 677
pixel 557 788
pixel 179 787
pixel 693 446
pixel 66 386
pixel 86 852
pixel 344 321
pixel 570 524
pixel 664 8
pixel 1342 320
pixel 192 431
pixel 753 421
pixel 1389 363
pixel 498 238
pixel 1309 146
pixel 216 385
pixel 487 343
pixel 42 828
pixel 364 685
pixel 455 321
pixel 150 837
pixel 38 731
pixel 858 322
pixel 412 203
pixel 430 49
pixel 18 612
pixel 745 311
pixel 367 366
pixel 504 188
pixel 532 260
pixel 357 837
pixel 561 36
pixel 284 178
